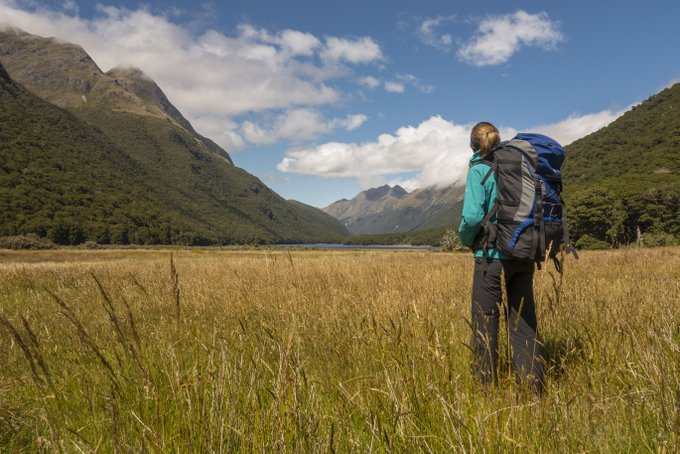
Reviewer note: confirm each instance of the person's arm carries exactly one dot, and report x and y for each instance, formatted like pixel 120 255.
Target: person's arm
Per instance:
pixel 474 206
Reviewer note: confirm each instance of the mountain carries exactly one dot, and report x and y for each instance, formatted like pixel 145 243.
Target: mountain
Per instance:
pixel 360 213
pixel 384 210
pixel 627 176
pixel 123 165
pixel 65 75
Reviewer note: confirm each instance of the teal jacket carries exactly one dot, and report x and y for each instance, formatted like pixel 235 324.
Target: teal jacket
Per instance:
pixel 478 200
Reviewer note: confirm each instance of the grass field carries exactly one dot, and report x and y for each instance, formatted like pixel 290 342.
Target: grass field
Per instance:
pixel 310 351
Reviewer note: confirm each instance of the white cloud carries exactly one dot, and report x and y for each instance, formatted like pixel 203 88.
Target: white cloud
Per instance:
pixel 297 125
pixel 210 76
pixel 425 149
pixel 254 133
pixel 394 87
pixel 577 126
pixel 221 130
pixel 369 81
pixel 361 50
pixel 70 5
pixel 301 124
pixel 299 43
pixel 499 37
pixel 429 34
pixel 416 82
pixel 290 42
pixel 352 122
pixel 410 184
pixel 436 150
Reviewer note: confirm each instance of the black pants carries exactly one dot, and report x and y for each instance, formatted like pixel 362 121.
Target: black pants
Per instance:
pixel 520 316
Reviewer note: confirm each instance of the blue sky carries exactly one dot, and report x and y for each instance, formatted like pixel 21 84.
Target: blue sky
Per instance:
pixel 323 99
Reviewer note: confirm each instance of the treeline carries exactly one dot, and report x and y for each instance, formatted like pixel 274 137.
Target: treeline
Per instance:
pixel 604 216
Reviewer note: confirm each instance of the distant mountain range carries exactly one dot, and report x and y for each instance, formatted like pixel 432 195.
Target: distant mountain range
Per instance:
pixel 357 214
pixel 87 155
pixel 392 210
pixel 623 177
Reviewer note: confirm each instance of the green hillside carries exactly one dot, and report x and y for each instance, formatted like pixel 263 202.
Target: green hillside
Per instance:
pixel 116 177
pixel 627 175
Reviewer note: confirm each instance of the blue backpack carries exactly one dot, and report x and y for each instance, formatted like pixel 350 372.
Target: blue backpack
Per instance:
pixel 530 216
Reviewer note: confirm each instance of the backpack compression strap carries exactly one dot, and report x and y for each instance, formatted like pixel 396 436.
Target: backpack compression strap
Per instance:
pixel 486 226
pixel 538 231
pixel 565 229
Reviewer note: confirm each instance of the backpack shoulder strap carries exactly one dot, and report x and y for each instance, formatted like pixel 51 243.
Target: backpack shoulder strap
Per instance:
pixel 489 160
pixel 492 169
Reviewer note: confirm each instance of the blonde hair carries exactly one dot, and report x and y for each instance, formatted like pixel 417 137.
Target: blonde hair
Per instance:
pixel 484 137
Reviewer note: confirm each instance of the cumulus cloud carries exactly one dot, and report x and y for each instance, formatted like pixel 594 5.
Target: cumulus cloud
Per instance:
pixel 219 129
pixel 394 87
pixel 428 32
pixel 210 76
pixel 499 37
pixel 352 122
pixel 362 50
pixel 299 43
pixel 436 150
pixel 369 81
pixel 297 125
pixel 576 126
pixel 434 147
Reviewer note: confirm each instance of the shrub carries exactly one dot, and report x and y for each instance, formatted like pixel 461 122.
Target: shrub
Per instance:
pixel 450 242
pixel 29 241
pixel 659 239
pixel 90 245
pixel 589 242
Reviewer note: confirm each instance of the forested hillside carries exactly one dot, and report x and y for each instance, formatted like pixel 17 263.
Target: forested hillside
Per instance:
pixel 627 176
pixel 114 177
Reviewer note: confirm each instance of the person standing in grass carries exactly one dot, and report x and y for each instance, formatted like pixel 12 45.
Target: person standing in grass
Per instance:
pixel 490 265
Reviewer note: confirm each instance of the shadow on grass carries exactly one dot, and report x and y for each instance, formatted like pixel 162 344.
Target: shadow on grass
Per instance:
pixel 562 354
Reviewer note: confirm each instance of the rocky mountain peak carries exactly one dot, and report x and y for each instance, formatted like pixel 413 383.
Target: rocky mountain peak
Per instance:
pixel 137 82
pixel 398 192
pixel 60 72
pixel 65 75
pixel 377 193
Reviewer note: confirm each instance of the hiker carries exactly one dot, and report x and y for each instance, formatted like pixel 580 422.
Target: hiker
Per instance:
pixel 490 264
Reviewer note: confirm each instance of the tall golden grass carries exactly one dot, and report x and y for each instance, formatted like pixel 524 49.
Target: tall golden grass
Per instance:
pixel 270 350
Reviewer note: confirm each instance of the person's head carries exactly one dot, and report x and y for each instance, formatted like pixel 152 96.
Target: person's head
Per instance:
pixel 484 137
